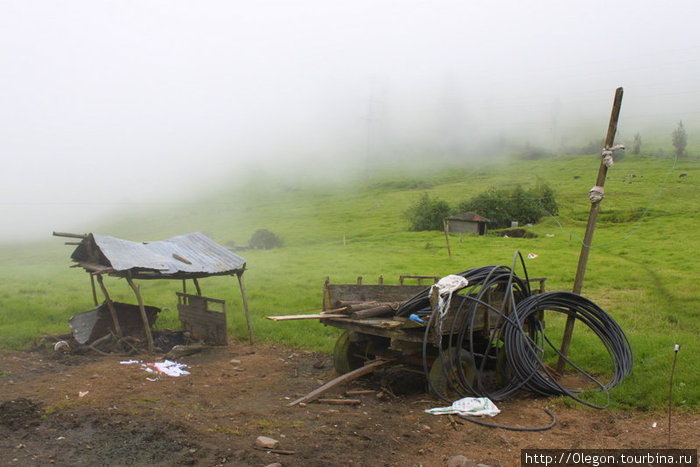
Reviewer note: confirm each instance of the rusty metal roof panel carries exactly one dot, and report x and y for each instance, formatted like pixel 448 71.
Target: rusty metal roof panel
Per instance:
pixel 192 253
pixel 468 216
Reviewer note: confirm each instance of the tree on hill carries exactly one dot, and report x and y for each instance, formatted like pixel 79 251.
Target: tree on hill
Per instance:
pixel 680 139
pixel 427 214
pixel 636 143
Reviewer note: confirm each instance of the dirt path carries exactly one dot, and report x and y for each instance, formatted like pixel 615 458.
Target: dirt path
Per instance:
pixel 74 410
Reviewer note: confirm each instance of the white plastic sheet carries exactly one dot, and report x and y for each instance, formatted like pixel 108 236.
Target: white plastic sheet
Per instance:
pixel 166 367
pixel 476 406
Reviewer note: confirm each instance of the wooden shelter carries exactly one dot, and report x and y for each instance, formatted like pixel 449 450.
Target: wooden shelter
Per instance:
pixel 467 222
pixel 186 257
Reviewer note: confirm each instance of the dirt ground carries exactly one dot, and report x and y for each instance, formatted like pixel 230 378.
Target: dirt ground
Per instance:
pixel 74 410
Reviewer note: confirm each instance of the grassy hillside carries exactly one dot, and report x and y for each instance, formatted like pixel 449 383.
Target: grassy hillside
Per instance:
pixel 641 267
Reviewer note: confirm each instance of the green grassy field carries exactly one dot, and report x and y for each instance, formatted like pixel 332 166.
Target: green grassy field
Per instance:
pixel 642 267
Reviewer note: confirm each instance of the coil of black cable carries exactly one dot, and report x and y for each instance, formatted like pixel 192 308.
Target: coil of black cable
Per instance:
pixel 524 355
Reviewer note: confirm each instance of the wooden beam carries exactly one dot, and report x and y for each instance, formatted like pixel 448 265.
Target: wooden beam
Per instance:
pixel 341 401
pixel 94 267
pixel 313 395
pixel 94 292
pixel 69 235
pixel 181 259
pixel 251 338
pixel 110 305
pixel 590 229
pixel 316 316
pixel 142 309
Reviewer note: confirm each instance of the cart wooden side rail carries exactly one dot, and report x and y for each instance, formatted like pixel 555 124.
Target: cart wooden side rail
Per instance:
pixel 364 339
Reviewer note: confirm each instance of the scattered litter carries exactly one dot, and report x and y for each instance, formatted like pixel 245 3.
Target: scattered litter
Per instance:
pixel 61 345
pixel 532 255
pixel 152 379
pixel 653 425
pixel 416 318
pixel 170 368
pixel 83 393
pixel 477 406
pixel 266 443
pixel 549 235
pixel 167 367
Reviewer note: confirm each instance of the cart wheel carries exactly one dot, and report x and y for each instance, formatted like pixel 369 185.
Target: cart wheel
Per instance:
pixel 504 373
pixel 444 376
pixel 349 354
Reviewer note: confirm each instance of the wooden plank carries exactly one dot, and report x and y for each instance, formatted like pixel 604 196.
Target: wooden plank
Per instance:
pixel 336 293
pixel 360 392
pixel 317 316
pixel 385 309
pixel 69 235
pixel 340 401
pixel 368 368
pixel 405 330
pixel 211 325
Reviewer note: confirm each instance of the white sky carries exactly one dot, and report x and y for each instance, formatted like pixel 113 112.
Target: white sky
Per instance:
pixel 107 103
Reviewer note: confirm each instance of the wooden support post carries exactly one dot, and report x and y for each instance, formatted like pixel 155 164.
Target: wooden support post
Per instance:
pixel 94 292
pixel 184 285
pixel 590 228
pixel 446 227
pixel 142 309
pixel 251 338
pixel 110 306
pixel 196 286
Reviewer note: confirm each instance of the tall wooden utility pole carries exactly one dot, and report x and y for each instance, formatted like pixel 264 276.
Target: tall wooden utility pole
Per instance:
pixel 596 196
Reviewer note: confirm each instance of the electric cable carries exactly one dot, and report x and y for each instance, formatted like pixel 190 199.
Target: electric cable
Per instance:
pixel 496 323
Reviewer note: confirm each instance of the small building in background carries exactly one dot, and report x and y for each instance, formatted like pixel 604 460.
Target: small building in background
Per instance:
pixel 467 222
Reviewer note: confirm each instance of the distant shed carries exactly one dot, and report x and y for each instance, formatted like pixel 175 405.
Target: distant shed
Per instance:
pixel 467 222
pixel 191 256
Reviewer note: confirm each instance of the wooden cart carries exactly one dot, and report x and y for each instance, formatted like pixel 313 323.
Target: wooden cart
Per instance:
pixel 403 339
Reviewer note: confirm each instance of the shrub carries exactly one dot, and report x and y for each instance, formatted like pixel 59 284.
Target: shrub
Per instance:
pixel 427 214
pixel 502 207
pixel 263 239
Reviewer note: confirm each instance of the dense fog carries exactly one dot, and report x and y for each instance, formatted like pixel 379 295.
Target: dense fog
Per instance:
pixel 112 104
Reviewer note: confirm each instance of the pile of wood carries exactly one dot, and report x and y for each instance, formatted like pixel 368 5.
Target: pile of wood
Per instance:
pixel 364 310
pixel 349 309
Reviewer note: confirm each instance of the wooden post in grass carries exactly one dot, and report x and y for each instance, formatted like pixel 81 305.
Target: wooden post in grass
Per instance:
pixel 446 228
pixel 590 227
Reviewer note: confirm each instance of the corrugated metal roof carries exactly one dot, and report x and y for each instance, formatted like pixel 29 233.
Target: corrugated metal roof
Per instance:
pixel 192 253
pixel 468 216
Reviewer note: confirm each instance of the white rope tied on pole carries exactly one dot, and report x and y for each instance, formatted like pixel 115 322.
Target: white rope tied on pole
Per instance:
pixel 608 154
pixel 596 194
pixel 608 160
